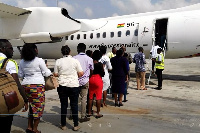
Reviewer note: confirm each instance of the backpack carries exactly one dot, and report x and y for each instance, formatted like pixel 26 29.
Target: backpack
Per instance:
pixel 11 100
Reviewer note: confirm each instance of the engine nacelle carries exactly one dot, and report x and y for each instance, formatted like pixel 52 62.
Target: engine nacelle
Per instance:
pixel 36 24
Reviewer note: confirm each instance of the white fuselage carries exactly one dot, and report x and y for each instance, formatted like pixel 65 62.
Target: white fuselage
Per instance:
pixel 181 29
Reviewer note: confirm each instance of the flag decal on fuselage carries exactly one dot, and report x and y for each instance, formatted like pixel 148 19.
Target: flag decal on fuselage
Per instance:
pixel 120 25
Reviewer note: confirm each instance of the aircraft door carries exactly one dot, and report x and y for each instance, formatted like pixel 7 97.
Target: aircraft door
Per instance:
pixel 160 32
pixel 145 34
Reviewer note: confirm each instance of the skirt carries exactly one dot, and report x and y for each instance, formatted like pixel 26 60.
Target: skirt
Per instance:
pixel 95 86
pixel 118 84
pixel 36 98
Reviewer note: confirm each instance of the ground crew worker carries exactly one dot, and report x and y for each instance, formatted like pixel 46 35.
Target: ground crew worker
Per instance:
pixel 153 53
pixel 112 53
pixel 6 51
pixel 159 68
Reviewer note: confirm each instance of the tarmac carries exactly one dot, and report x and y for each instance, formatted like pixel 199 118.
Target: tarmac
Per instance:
pixel 174 109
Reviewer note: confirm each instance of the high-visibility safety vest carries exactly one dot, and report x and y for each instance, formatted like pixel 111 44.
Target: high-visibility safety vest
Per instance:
pixel 2 59
pixel 161 65
pixel 110 55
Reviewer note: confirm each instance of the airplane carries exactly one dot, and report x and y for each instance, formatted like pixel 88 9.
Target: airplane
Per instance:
pixel 180 28
pixel 36 24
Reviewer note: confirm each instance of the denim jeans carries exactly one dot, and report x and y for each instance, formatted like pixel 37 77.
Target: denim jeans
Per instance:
pixel 71 93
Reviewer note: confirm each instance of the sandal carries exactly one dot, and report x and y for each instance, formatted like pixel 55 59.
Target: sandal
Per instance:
pixel 36 131
pixel 116 104
pixel 89 115
pixel 28 131
pixel 144 89
pixel 98 116
pixel 103 104
pixel 120 104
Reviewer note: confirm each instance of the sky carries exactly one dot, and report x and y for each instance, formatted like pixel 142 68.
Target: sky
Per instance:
pixel 92 9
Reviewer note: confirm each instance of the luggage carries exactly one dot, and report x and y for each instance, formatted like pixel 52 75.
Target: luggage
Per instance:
pixel 11 100
pixel 51 83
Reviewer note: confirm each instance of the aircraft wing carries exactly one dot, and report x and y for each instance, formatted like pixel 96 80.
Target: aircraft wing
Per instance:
pixel 36 24
pixel 11 11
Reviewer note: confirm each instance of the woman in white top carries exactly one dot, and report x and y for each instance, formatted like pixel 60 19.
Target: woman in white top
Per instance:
pixel 33 69
pixel 68 70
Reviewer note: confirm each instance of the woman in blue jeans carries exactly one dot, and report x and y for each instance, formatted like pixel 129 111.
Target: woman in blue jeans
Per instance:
pixel 68 69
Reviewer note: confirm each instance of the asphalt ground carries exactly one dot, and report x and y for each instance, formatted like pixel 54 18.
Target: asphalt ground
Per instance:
pixel 174 109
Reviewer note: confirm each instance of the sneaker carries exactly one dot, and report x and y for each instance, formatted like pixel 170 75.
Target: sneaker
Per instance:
pixel 158 88
pixel 76 128
pixel 124 100
pixel 84 119
pixel 63 127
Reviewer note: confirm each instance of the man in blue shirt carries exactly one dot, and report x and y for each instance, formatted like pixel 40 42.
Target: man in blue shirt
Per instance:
pixel 87 65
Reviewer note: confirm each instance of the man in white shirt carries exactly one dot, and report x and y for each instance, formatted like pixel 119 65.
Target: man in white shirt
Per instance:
pixel 154 54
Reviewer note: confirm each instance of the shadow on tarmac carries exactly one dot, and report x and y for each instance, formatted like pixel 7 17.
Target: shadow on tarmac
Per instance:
pixel 195 78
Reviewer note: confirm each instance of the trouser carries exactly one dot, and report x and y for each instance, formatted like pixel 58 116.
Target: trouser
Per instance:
pixel 6 123
pixel 153 64
pixel 125 91
pixel 159 76
pixel 71 93
pixel 140 78
pixel 83 94
pixel 109 89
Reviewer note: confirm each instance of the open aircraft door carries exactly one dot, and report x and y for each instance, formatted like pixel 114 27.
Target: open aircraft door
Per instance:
pixel 159 35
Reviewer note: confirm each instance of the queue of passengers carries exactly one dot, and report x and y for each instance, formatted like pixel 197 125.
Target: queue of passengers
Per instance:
pixel 76 75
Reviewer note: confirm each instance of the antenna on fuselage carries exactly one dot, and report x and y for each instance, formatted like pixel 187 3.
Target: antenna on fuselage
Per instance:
pixel 57 3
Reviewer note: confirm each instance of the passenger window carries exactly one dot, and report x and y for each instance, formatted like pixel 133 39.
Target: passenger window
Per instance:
pixel 98 35
pixel 66 37
pixel 128 33
pixel 136 32
pixel 84 36
pixel 104 35
pixel 78 36
pixel 72 37
pixel 119 33
pixel 111 34
pixel 91 35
